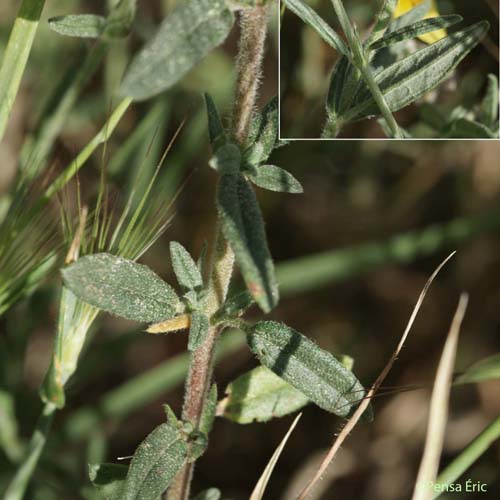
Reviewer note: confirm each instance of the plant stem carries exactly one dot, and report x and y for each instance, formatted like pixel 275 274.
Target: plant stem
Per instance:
pixel 19 483
pixel 253 24
pixel 16 56
pixel 361 62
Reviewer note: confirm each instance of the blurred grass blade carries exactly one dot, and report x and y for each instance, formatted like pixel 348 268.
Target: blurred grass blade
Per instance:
pixel 486 369
pixel 465 128
pixel 101 137
pixel 259 395
pixel 466 459
pixel 382 21
pixel 122 287
pixel 409 79
pixel 438 413
pixel 16 56
pixel 9 436
pixel 414 30
pixel 156 461
pixel 310 369
pixel 313 271
pixel 260 487
pixel 184 38
pixel 309 16
pixel 78 25
pixel 54 116
pixel 243 227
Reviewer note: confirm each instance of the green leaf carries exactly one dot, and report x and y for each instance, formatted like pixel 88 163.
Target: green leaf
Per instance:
pixel 409 79
pixel 410 17
pixel 243 227
pixel 109 479
pixel 122 287
pixel 465 128
pixel 384 18
pixel 120 18
pixel 216 131
pixel 235 305
pixel 264 133
pixel 155 463
pixel 310 369
pixel 275 179
pixel 210 494
pixel 183 39
pixel 208 414
pixel 489 107
pixel 310 17
pixel 186 271
pixel 486 369
pixel 415 30
pixel 227 159
pixel 79 25
pixel 260 395
pixel 198 330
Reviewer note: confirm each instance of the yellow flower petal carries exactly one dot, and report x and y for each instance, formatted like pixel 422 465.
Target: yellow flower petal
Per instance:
pixel 405 5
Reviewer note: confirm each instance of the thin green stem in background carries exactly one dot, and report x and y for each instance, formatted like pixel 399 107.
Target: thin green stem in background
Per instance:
pixel 16 56
pixel 475 449
pixel 53 120
pixel 361 62
pixel 17 487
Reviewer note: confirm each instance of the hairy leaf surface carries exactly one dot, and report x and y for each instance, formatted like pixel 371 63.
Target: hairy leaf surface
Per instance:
pixel 186 271
pixel 310 369
pixel 122 287
pixel 79 25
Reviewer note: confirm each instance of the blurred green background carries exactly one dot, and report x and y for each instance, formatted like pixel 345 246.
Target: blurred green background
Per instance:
pixel 353 253
pixel 307 61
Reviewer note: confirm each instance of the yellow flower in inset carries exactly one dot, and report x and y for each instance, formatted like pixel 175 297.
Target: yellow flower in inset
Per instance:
pixel 405 5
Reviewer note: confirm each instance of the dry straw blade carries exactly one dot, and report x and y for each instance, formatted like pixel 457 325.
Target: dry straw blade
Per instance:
pixel 260 487
pixel 349 426
pixel 438 414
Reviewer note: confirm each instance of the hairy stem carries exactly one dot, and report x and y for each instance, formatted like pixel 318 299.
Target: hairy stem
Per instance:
pixel 19 483
pixel 253 24
pixel 360 60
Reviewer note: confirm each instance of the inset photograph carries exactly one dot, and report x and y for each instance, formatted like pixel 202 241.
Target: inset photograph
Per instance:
pixel 401 69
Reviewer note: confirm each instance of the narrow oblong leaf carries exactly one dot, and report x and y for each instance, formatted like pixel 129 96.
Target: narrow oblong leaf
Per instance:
pixel 309 16
pixel 109 479
pixel 275 179
pixel 409 79
pixel 260 395
pixel 486 369
pixel 310 369
pixel 186 271
pixel 384 18
pixel 412 16
pixel 465 128
pixel 122 287
pixel 155 463
pixel 198 330
pixel 489 107
pixel 235 305
pixel 210 494
pixel 216 132
pixel 183 39
pixel 416 29
pixel 243 227
pixel 209 411
pixel 265 134
pixel 79 25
